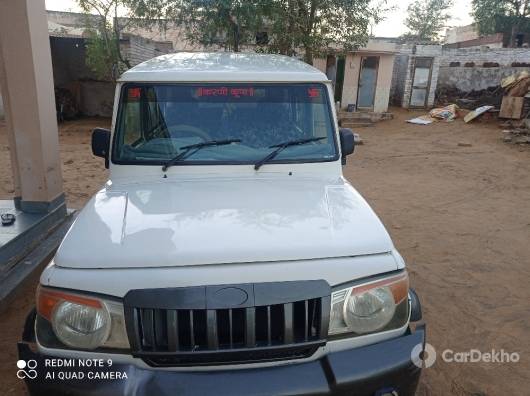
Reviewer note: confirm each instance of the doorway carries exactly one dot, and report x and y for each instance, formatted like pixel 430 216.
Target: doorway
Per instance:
pixel 341 62
pixel 421 82
pixel 335 73
pixel 367 82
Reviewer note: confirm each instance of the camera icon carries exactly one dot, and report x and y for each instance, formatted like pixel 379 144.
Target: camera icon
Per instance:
pixel 26 369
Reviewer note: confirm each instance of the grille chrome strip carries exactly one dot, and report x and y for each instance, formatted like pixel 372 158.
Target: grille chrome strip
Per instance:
pixel 269 325
pixel 147 326
pixel 230 329
pixel 250 333
pixel 288 323
pixel 211 329
pixel 172 330
pixel 306 322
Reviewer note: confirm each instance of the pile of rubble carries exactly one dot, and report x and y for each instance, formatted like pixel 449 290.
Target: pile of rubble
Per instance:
pixel 515 103
pixel 508 101
pixel 516 133
pixel 516 136
pixel 516 106
pixel 511 98
pixel 469 100
pixel 517 85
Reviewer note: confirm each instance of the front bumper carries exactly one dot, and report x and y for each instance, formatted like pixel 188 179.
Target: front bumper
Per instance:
pixel 376 369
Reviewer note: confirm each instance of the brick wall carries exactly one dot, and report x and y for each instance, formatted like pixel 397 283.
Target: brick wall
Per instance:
pixel 493 41
pixel 463 68
pixel 72 19
pixel 467 79
pixel 138 49
pixel 166 31
pixel 480 55
pixel 460 33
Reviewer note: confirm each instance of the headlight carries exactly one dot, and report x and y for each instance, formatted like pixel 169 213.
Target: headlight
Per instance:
pixel 83 322
pixel 81 326
pixel 369 307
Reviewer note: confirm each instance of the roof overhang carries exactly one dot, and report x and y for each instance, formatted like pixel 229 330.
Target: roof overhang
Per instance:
pixel 373 52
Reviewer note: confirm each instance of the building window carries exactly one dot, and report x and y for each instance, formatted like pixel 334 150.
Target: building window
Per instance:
pixel 262 38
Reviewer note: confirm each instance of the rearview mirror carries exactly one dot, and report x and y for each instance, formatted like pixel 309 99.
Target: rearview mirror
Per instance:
pixel 101 144
pixel 347 143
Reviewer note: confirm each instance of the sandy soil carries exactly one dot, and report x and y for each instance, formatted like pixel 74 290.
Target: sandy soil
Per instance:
pixel 459 215
pixel 83 174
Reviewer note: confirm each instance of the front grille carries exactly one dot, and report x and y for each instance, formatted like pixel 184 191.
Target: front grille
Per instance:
pixel 211 325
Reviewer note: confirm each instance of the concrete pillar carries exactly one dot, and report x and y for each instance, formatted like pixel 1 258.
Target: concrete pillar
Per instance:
pixel 26 81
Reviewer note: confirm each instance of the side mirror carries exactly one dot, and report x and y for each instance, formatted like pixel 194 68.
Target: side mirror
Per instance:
pixel 101 144
pixel 347 143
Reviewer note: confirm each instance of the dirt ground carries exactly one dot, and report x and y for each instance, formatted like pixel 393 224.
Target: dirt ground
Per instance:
pixel 83 174
pixel 456 200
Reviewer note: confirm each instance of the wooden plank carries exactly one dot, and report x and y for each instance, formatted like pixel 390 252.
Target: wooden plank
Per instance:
pixel 512 107
pixel 477 112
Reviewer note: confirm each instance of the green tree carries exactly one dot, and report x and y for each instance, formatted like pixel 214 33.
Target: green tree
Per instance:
pixel 294 27
pixel 104 56
pixel 502 16
pixel 315 27
pixel 426 19
pixel 229 24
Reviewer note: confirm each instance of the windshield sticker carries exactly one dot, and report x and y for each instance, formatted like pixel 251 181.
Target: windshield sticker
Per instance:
pixel 134 93
pixel 313 92
pixel 224 91
pixel 238 92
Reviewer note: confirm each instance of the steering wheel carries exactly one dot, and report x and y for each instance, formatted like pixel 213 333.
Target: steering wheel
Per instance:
pixel 191 129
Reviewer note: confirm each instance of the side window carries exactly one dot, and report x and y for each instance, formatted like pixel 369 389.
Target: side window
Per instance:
pixel 153 116
pixel 301 121
pixel 320 120
pixel 142 117
pixel 132 125
pixel 312 117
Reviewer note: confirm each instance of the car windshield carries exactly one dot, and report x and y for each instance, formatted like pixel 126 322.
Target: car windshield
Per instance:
pixel 156 121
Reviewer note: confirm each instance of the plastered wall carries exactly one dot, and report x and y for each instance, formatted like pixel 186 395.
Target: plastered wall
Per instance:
pixel 384 80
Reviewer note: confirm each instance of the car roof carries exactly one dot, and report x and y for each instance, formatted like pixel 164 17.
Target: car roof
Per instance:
pixel 223 67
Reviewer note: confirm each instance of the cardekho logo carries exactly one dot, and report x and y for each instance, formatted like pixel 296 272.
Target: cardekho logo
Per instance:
pixel 423 356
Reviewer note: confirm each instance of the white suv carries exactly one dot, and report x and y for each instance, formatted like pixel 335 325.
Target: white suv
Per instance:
pixel 227 254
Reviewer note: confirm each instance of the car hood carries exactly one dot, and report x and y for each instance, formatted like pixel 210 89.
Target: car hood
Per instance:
pixel 198 222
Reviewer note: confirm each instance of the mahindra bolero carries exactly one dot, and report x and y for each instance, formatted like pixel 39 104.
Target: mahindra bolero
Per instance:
pixel 227 254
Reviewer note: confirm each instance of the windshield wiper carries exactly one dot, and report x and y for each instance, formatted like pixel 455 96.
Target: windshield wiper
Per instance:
pixel 282 146
pixel 193 148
